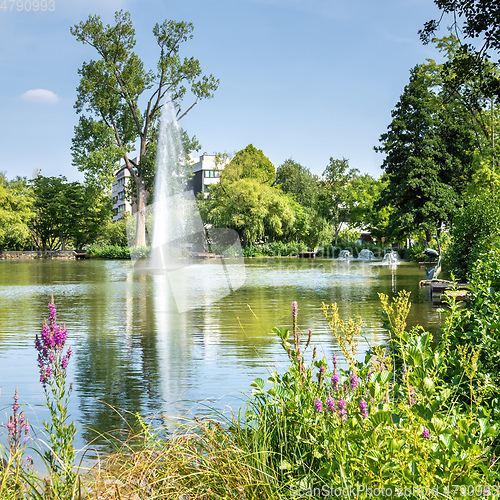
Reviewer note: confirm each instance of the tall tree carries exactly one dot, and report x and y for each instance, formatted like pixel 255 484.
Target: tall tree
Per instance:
pixel 112 123
pixel 428 156
pixel 336 193
pixel 250 163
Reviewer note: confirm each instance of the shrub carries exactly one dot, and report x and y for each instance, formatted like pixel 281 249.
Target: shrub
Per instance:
pixel 475 228
pixel 108 252
pixel 383 423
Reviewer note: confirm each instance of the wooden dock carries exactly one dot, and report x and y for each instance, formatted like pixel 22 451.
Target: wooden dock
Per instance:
pixel 440 289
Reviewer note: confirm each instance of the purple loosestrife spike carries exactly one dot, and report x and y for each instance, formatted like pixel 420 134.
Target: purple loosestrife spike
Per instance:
pixel 425 433
pixel 341 405
pixel 335 381
pixel 330 404
pixel 363 408
pixel 411 396
pixel 318 406
pixel 295 310
pixel 354 381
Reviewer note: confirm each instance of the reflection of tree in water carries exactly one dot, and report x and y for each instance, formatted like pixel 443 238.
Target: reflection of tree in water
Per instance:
pixel 117 367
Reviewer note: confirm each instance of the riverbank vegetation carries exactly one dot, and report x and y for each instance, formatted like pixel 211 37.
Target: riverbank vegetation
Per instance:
pixel 417 413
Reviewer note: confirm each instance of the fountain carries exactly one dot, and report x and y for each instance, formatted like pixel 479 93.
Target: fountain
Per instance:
pixel 344 254
pixel 366 254
pixel 391 258
pixel 178 234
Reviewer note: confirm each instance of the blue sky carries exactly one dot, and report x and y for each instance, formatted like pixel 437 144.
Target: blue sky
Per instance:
pixel 301 79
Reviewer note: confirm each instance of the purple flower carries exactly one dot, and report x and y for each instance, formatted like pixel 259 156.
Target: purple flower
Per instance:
pixel 50 346
pixel 341 406
pixel 295 310
pixel 411 396
pixel 363 408
pixel 330 404
pixel 354 381
pixel 318 406
pixel 425 433
pixel 335 381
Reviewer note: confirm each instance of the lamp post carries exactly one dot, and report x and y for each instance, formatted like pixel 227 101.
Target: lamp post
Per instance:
pixel 31 230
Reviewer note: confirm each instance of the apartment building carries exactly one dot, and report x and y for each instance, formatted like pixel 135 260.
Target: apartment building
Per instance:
pixel 205 173
pixel 120 204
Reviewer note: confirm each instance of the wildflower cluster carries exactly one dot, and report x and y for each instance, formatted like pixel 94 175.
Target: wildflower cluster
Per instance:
pixel 17 425
pixel 50 346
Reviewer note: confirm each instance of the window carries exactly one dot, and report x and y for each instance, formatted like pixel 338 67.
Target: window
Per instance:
pixel 211 173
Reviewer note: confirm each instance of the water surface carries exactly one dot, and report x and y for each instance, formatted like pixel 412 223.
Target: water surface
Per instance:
pixel 133 351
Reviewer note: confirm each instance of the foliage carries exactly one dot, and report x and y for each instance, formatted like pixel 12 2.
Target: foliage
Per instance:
pixel 114 232
pixel 428 160
pixel 105 251
pixel 249 163
pixel 111 121
pixel 67 213
pixel 345 427
pixel 479 19
pixel 336 195
pixel 294 179
pixel 275 249
pixel 476 227
pixel 475 327
pixel 16 214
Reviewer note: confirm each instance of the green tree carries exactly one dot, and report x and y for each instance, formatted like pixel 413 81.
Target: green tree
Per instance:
pixel 476 19
pixel 16 213
pixel 298 181
pixel 112 123
pixel 252 209
pixel 335 198
pixel 67 214
pixel 364 210
pixel 428 156
pixel 249 163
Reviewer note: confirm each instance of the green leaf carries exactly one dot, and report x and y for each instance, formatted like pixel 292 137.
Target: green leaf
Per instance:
pixel 428 387
pixel 380 417
pixel 258 382
pixel 385 376
pixel 446 439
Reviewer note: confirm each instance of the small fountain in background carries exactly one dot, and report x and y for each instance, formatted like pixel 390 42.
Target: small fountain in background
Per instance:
pixel 366 254
pixel 391 258
pixel 344 254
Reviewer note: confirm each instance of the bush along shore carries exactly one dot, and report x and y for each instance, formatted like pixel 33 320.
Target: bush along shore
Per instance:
pixel 416 419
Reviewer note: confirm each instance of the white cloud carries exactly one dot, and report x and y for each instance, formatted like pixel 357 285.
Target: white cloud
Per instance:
pixel 40 95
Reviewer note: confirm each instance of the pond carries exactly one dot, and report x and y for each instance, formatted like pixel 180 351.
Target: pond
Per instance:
pixel 134 352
